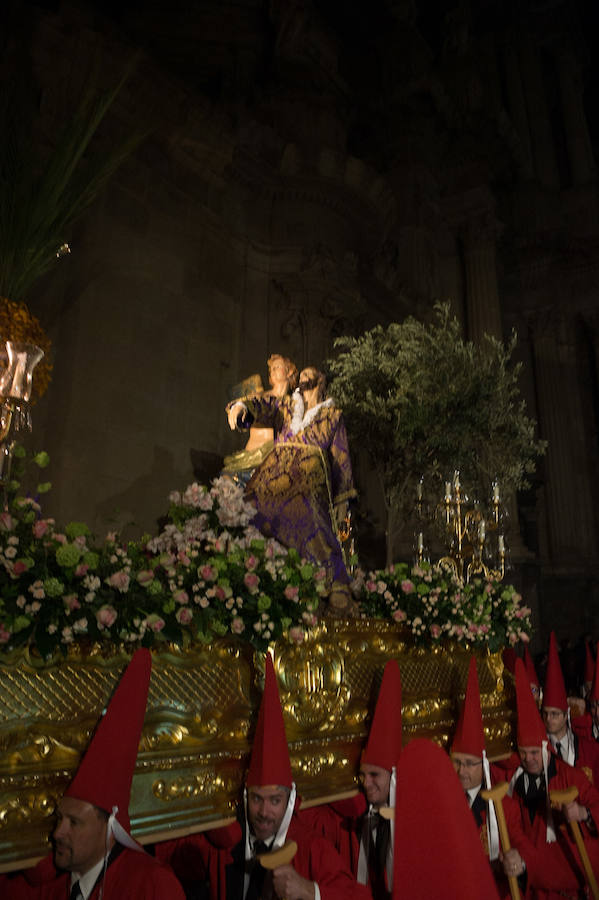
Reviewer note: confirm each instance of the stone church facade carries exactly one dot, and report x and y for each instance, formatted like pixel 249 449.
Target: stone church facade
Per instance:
pixel 312 169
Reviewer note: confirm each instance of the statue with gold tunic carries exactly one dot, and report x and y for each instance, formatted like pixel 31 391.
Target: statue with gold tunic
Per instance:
pixel 302 488
pixel 282 375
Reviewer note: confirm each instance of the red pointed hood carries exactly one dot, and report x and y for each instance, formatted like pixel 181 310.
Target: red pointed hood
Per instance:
pixel 470 736
pixel 106 771
pixel 533 678
pixel 437 847
pixel 270 754
pixel 589 663
pixel 531 730
pixel 554 693
pixel 384 740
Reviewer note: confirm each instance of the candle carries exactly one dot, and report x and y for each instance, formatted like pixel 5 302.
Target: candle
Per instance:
pixel 420 542
pixel 495 492
pixel 456 480
pixel 481 530
pixel 448 491
pixel 419 489
pixel 501 544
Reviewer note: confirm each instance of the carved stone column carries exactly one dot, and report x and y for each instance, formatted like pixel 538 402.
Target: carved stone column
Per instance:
pixel 540 126
pixel 482 296
pixel 517 104
pixel 580 151
pixel 571 526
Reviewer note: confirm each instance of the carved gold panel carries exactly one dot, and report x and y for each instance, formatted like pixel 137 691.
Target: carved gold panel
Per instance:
pixel 201 710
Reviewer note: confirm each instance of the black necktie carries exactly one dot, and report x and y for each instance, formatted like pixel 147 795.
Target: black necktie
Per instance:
pixel 256 887
pixel 558 750
pixel 75 892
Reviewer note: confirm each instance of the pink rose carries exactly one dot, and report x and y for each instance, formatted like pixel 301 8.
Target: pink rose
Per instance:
pixel 120 581
pixel 251 581
pixel 145 576
pixel 291 592
pixel 61 538
pixel 407 586
pixel 435 630
pixel 184 615
pixel 220 593
pixel 208 573
pixel 371 586
pixel 6 523
pixel 399 615
pixel 106 616
pixel 4 634
pixel 297 634
pixel 155 623
pixel 81 570
pixel 19 567
pixel 40 528
pixel 181 597
pixel 251 563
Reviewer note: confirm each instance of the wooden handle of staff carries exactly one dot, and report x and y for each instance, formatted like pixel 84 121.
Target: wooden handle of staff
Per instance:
pixel 387 812
pixel 495 795
pixel 559 798
pixel 280 857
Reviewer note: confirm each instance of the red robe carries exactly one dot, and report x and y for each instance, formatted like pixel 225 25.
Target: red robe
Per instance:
pixel 555 870
pixel 218 857
pixel 130 876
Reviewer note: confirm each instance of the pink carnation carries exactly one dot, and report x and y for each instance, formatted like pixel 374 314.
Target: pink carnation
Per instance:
pixel 120 581
pixel 251 581
pixel 106 616
pixel 40 528
pixel 184 615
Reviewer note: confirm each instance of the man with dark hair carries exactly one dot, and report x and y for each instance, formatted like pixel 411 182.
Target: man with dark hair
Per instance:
pixel 94 854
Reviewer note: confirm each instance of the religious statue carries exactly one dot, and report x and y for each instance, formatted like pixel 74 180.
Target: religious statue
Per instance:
pixel 302 488
pixel 282 375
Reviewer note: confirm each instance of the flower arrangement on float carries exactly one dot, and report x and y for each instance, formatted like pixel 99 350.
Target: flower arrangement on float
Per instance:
pixel 435 604
pixel 207 574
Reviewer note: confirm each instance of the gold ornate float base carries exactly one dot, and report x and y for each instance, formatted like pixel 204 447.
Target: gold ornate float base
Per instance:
pixel 201 711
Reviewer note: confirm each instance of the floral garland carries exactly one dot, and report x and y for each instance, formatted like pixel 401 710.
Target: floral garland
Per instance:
pixel 207 574
pixel 210 573
pixel 434 604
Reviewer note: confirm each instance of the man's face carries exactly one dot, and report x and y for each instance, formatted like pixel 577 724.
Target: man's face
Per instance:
pixel 266 808
pixel 79 836
pixel 308 380
pixel 555 721
pixel 531 759
pixel 469 769
pixel 375 784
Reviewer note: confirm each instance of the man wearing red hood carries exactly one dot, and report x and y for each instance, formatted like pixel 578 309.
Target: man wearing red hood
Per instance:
pixel 573 748
pixel 228 858
pixel 557 870
pixel 364 837
pixel 94 854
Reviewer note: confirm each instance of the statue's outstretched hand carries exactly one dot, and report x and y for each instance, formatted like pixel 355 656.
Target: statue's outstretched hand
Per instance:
pixel 235 412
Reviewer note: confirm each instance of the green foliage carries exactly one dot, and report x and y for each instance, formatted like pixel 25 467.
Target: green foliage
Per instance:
pixel 421 401
pixel 41 198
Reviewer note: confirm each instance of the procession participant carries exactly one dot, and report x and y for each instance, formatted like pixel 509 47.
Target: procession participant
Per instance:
pixel 282 376
pixel 587 723
pixel 556 866
pixel 94 853
pixel 363 837
pixel 301 490
pixel 578 750
pixel 438 853
pixel 227 857
pixel 471 764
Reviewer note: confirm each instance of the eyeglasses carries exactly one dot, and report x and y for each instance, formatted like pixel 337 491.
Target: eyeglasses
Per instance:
pixel 466 763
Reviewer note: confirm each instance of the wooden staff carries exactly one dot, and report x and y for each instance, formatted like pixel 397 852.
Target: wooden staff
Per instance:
pixel 495 795
pixel 558 799
pixel 280 857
